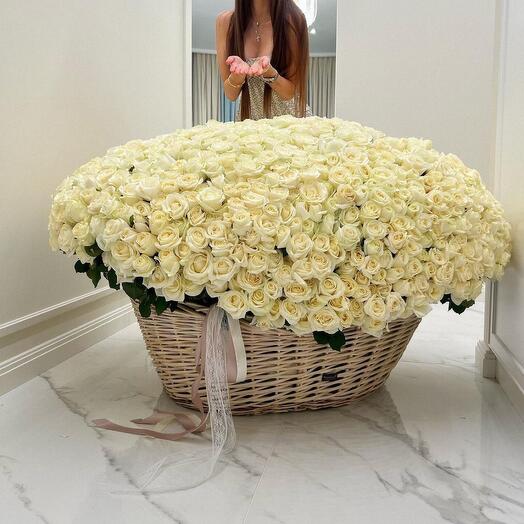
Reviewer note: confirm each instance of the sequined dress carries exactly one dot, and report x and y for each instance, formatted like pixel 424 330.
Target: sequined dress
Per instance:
pixel 256 100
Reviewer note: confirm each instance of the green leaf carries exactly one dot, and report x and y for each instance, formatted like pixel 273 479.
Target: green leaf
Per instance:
pixel 81 267
pixel 94 250
pixel 445 299
pixel 131 221
pixel 145 307
pixel 172 305
pixel 460 308
pixel 337 340
pixel 111 278
pixel 321 337
pixel 160 305
pixel 94 274
pixel 134 290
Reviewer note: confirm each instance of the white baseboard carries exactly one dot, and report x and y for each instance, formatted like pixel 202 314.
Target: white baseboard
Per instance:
pixel 502 366
pixel 510 375
pixel 485 360
pixel 512 388
pixel 39 346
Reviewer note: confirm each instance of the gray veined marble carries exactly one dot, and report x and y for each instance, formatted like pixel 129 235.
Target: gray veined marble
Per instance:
pixel 439 444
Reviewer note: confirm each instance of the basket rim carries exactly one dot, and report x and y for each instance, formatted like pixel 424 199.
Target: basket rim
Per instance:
pixel 192 307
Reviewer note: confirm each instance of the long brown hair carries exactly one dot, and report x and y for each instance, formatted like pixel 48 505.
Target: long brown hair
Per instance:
pixel 286 16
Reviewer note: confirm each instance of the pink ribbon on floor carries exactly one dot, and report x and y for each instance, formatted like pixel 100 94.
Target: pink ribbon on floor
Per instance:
pixel 159 416
pixel 236 372
pixel 220 358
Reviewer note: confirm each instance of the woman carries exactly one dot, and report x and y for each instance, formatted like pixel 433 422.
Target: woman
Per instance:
pixel 263 54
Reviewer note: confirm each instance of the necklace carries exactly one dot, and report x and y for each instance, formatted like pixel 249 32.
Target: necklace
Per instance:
pixel 257 29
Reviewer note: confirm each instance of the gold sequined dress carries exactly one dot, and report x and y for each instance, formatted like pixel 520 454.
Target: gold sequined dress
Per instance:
pixel 256 100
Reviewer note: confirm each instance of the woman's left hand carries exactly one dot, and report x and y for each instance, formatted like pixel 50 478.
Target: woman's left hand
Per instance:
pixel 259 66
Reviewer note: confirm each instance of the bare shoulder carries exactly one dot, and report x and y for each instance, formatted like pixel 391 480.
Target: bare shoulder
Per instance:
pixel 223 19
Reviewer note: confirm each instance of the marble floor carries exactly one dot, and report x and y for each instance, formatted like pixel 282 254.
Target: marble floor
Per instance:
pixel 438 444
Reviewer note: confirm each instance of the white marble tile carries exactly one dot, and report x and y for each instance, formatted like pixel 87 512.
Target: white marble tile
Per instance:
pixel 433 447
pixel 444 337
pixel 49 431
pixel 438 444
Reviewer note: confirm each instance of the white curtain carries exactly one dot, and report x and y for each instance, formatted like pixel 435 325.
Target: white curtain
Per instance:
pixel 209 101
pixel 207 88
pixel 321 86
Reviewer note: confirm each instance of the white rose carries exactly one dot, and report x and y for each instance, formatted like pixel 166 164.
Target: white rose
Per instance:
pixel 192 289
pixel 373 326
pixel 257 262
pixel 66 240
pixel 175 205
pixel 158 279
pixel 216 288
pixel 123 254
pixel 168 238
pixel 234 302
pixel 299 292
pixel 266 227
pixel 370 211
pixel 321 263
pixel 82 232
pixel 174 289
pixel 196 216
pixel 210 198
pixel 242 222
pixel 348 236
pixel 158 220
pixel 196 239
pixel 291 311
pixel 169 262
pixel 395 305
pixel 75 211
pixel 396 240
pixel 325 319
pixel 374 229
pixel 339 304
pixel 197 269
pixel 112 232
pixel 248 281
pixel 272 289
pixel 259 303
pixel 149 187
pixel 146 243
pixel 143 265
pixel 331 286
pixel 223 269
pixel 444 274
pixel 299 246
pixel 375 307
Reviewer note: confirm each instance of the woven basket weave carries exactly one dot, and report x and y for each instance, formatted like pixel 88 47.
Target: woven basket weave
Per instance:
pixel 284 372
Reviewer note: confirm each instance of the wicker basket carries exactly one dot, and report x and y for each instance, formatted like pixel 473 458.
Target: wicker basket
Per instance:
pixel 285 372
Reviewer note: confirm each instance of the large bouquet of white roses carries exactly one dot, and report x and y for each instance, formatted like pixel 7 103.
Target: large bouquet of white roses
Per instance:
pixel 310 224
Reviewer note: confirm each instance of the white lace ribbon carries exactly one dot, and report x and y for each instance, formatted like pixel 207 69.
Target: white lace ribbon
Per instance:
pixel 179 471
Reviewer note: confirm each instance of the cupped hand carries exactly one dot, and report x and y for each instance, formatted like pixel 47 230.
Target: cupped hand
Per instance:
pixel 259 66
pixel 237 66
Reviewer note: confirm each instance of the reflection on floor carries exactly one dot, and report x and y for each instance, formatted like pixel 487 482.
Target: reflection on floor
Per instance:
pixel 437 445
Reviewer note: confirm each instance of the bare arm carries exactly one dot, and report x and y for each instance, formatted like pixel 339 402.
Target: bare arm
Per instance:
pixel 229 69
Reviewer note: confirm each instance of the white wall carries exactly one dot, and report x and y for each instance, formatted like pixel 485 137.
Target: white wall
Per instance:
pixel 419 68
pixel 77 77
pixel 506 329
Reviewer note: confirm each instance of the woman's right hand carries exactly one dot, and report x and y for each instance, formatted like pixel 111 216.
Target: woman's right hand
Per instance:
pixel 238 67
